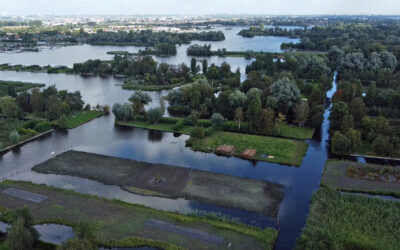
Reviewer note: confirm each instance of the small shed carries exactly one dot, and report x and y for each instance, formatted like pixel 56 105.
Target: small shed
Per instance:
pixel 225 149
pixel 249 153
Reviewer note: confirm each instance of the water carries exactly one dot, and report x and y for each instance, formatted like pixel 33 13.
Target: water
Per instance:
pixel 55 233
pixel 102 137
pixel 50 233
pixel 79 53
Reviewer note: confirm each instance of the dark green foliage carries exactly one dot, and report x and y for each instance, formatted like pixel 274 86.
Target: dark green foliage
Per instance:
pixel 42 127
pixel 341 145
pixel 197 132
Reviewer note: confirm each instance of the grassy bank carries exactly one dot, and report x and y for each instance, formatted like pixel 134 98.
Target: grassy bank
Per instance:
pixel 346 221
pixel 168 124
pixel 18 86
pixel 76 119
pixel 271 149
pixel 169 181
pixel 148 87
pixel 25 129
pixel 360 177
pixel 117 221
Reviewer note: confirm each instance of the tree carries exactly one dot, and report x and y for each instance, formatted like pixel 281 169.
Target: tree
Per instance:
pixel 237 99
pixel 139 99
pixel 122 112
pixel 238 115
pixel 341 145
pixel 280 120
pixel 53 107
pixel 217 120
pixel 382 146
pixel 286 92
pixel 204 66
pixel 338 112
pixel 14 137
pixel 371 95
pixel 382 125
pixel 355 138
pixel 36 100
pixel 62 122
pixel 254 109
pixel 301 112
pixel 154 115
pixel 9 107
pixel 193 65
pixel 267 120
pixel 19 237
pixel 85 238
pixel 357 109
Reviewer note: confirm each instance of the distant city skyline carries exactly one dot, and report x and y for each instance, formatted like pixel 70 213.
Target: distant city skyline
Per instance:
pixel 203 7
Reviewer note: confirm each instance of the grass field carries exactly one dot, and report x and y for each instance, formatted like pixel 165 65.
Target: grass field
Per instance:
pixel 175 182
pixel 347 221
pixel 284 151
pixel 282 130
pixel 81 117
pixel 118 222
pixel 335 176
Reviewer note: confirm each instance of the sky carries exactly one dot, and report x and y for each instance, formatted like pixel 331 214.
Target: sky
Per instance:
pixel 197 7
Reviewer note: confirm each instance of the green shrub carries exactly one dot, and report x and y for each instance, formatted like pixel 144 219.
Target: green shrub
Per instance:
pixel 209 131
pixel 14 137
pixel 30 124
pixel 179 125
pixel 204 123
pixel 217 119
pixel 198 132
pixel 169 120
pixel 27 131
pixel 42 127
pixel 231 126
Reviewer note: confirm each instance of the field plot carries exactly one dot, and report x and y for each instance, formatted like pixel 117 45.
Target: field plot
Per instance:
pixel 348 221
pixel 121 224
pixel 359 177
pixel 272 149
pixel 168 181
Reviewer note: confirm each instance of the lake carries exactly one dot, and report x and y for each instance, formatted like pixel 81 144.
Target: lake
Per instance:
pixel 103 137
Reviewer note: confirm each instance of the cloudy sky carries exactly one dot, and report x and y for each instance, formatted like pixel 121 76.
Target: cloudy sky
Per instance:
pixel 190 7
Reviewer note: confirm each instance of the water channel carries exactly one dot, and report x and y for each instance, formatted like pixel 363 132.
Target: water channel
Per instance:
pixel 101 136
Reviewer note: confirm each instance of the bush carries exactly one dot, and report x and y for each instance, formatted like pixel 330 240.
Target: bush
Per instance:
pixel 14 137
pixel 42 127
pixel 217 120
pixel 106 109
pixel 27 131
pixel 233 127
pixel 169 120
pixel 179 125
pixel 197 132
pixel 209 131
pixel 30 124
pixel 204 123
